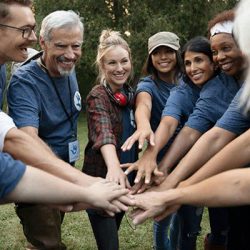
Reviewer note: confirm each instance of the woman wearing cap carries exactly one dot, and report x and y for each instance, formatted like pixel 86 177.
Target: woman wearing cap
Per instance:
pixel 198 110
pixel 163 67
pixel 230 59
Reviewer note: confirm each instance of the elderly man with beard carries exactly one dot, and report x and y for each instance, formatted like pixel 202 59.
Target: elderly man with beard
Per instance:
pixel 44 102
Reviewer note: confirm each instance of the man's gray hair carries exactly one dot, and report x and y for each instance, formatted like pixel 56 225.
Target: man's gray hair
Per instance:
pixel 60 19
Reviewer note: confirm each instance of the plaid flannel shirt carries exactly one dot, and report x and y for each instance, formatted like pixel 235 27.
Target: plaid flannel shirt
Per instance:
pixel 104 119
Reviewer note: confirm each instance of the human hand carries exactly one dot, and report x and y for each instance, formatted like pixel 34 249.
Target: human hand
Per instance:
pixel 117 175
pixel 155 205
pixel 140 187
pixel 108 196
pixel 148 205
pixel 145 166
pixel 142 136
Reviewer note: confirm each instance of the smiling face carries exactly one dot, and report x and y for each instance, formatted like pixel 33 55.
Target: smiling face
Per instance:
pixel 227 54
pixel 116 67
pixel 198 67
pixel 164 60
pixel 63 51
pixel 13 46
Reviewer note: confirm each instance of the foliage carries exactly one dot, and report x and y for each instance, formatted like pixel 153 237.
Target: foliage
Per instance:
pixel 141 18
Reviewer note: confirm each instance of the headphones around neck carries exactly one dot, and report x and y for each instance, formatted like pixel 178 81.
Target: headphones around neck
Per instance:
pixel 122 98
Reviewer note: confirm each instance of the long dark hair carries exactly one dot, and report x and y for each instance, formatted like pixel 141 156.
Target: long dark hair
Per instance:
pixel 149 69
pixel 199 44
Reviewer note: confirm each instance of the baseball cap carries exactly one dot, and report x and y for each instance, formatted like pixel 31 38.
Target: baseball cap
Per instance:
pixel 163 38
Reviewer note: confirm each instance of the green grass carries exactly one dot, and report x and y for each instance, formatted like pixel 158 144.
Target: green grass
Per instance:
pixel 76 230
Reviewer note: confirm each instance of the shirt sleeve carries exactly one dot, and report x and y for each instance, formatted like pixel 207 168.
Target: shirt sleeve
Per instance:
pixel 179 104
pixel 99 122
pixel 233 119
pixel 145 86
pixel 11 171
pixel 23 101
pixel 215 97
pixel 6 124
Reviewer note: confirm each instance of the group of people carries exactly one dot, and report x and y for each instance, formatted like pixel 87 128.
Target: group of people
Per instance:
pixel 186 106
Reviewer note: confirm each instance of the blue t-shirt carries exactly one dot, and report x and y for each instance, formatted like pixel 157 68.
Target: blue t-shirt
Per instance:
pixel 33 101
pixel 2 84
pixel 215 97
pixel 11 172
pixel 159 92
pixel 181 101
pixel 233 119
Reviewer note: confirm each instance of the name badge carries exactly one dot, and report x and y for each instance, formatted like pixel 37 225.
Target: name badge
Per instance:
pixel 74 151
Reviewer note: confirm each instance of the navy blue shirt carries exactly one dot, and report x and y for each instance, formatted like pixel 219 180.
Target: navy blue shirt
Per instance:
pixel 2 84
pixel 159 92
pixel 11 172
pixel 215 97
pixel 233 119
pixel 181 101
pixel 33 101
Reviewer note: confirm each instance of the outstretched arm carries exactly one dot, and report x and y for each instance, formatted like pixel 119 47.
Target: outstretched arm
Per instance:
pixel 37 186
pixel 142 117
pixel 181 145
pixel 234 155
pixel 147 164
pixel 114 173
pixel 231 188
pixel 206 147
pixel 22 146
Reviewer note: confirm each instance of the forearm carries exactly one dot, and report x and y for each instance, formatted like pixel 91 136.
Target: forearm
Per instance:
pixel 37 186
pixel 143 106
pixel 142 117
pixel 231 188
pixel 23 147
pixel 205 148
pixel 163 133
pixel 181 145
pixel 110 156
pixel 33 132
pixel 234 155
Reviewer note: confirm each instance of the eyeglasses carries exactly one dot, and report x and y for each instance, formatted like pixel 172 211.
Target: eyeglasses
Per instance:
pixel 26 32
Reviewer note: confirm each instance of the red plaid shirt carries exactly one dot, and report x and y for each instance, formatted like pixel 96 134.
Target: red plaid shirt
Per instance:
pixel 104 119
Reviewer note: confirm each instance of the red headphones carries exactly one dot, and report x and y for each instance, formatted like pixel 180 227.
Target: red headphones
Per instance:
pixel 122 98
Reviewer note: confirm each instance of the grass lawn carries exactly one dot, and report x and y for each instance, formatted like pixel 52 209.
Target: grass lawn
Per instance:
pixel 76 230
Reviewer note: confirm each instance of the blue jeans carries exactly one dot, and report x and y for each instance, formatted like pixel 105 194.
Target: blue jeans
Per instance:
pixel 189 218
pixel 160 229
pixel 184 227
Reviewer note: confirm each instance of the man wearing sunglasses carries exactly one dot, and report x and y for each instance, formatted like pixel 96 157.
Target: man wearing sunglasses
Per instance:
pixel 17 25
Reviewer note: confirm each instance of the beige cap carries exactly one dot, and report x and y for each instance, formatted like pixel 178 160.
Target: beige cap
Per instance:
pixel 163 38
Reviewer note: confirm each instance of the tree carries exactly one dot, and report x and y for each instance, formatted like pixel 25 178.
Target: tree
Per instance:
pixel 136 20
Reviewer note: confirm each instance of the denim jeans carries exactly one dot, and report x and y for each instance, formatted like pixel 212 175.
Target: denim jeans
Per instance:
pixel 161 229
pixel 105 229
pixel 184 227
pixel 189 218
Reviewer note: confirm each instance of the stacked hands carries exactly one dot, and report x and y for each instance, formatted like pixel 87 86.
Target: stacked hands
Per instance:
pixel 148 198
